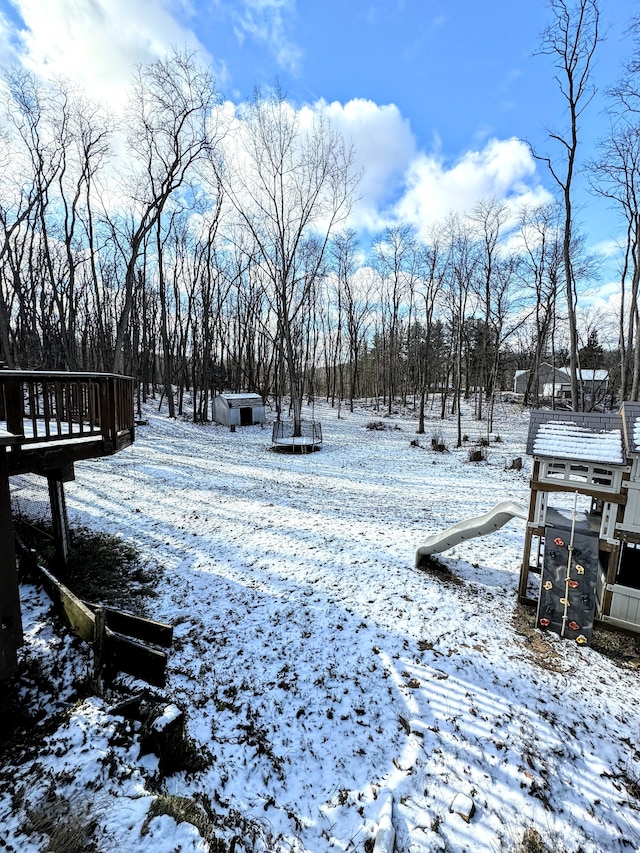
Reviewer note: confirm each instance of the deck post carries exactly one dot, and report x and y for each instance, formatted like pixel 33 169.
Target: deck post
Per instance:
pixel 14 405
pixel 59 518
pixel 10 617
pixel 107 416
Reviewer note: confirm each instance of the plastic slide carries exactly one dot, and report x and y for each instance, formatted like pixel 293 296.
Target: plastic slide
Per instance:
pixel 471 527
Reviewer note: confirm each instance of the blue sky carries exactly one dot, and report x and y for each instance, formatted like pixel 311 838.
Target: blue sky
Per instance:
pixel 435 94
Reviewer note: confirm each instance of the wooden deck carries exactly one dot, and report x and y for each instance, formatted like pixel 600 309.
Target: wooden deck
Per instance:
pixel 49 421
pixel 58 418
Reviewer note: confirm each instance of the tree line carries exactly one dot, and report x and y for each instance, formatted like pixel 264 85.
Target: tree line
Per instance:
pixel 199 246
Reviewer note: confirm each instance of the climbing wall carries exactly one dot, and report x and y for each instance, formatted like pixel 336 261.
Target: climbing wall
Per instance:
pixel 568 585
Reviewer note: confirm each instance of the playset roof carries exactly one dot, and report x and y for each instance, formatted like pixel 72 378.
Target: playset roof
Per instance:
pixel 585 436
pixel 631 426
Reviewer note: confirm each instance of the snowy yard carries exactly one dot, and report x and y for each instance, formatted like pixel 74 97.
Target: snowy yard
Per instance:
pixel 319 668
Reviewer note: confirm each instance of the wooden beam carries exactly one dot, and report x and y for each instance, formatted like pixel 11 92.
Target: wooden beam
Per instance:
pixel 129 652
pixel 145 630
pixel 126 654
pixel 78 616
pixel 59 517
pixel 11 636
pixel 42 460
pixel 528 538
pixel 572 488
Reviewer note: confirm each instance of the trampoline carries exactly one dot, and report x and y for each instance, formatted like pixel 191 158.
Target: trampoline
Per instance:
pixel 286 439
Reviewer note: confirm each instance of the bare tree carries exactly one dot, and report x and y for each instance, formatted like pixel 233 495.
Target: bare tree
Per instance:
pixel 503 319
pixel 462 271
pixel 36 154
pixel 571 40
pixel 354 301
pixel 617 177
pixel 490 217
pixel 428 286
pixel 625 94
pixel 291 185
pixel 168 131
pixel 395 255
pixel 542 270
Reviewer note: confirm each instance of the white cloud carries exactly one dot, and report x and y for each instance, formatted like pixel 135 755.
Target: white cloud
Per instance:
pixel 97 43
pixel 384 146
pixel 267 22
pixel 503 169
pixel 403 184
pixel 6 46
pixel 611 248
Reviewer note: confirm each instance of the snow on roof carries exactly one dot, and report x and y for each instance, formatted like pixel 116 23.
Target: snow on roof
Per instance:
pixel 630 412
pixel 594 375
pixel 568 440
pixel 236 400
pixel 632 429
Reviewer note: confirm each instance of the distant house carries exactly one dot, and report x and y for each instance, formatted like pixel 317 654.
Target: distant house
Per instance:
pixel 555 383
pixel 238 409
pixel 595 384
pixel 550 380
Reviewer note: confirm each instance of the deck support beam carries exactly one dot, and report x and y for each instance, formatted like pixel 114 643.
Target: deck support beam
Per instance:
pixel 59 517
pixel 10 617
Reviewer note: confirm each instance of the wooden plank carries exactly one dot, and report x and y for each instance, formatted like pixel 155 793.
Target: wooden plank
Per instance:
pixel 119 652
pixel 14 405
pixel 53 457
pixel 10 615
pixel 8 653
pixel 59 519
pixel 99 649
pixel 145 630
pixel 581 488
pixel 620 624
pixel 33 409
pixel 79 617
pixel 129 655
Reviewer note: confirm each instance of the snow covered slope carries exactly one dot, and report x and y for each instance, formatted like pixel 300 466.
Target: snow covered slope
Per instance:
pixel 318 666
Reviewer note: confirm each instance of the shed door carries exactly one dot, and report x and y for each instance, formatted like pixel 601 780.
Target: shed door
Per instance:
pixel 246 416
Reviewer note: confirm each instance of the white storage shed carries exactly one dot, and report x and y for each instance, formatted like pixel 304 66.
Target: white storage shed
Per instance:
pixel 238 409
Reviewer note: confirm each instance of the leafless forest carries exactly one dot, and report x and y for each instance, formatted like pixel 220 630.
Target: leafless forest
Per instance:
pixel 199 245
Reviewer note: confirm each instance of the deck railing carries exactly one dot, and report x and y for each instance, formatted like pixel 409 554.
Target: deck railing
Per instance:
pixel 40 406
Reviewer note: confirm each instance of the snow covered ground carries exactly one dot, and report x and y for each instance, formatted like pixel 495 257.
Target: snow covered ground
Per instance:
pixel 318 668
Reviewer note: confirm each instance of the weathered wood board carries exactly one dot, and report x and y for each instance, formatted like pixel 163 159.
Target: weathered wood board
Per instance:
pixel 130 643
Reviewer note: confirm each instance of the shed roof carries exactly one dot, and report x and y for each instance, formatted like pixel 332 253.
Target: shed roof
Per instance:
pixel 236 401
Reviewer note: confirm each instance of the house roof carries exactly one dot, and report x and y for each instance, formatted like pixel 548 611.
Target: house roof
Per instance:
pixel 589 437
pixel 557 371
pixel 594 375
